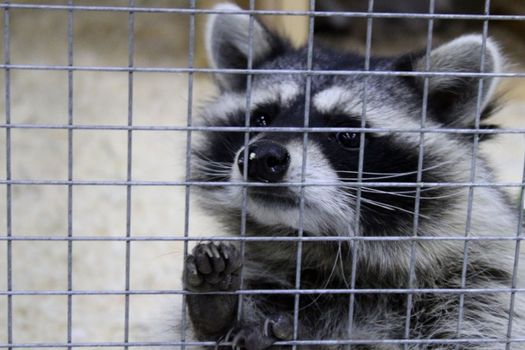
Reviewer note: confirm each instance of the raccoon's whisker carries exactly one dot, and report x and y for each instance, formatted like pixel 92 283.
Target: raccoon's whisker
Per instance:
pixel 413 191
pixel 341 266
pixel 224 165
pixel 402 193
pixel 213 171
pixel 393 207
pixel 372 202
pixel 230 147
pixel 448 195
pixel 218 164
pixel 379 204
pixel 410 172
pixel 367 173
pixel 216 172
pixel 363 202
pixel 338 257
pixel 388 206
pixel 390 175
pixel 212 167
pixel 214 163
pixel 373 178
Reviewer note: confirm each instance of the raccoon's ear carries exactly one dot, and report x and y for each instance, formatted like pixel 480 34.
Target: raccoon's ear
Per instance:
pixel 453 99
pixel 228 44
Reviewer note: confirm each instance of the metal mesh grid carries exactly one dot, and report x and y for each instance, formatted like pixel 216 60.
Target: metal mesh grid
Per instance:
pixel 9 182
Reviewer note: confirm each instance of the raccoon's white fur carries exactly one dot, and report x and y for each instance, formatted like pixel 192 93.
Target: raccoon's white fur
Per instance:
pixel 330 204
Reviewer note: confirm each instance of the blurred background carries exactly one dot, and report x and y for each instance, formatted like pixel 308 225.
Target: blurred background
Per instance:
pixel 100 39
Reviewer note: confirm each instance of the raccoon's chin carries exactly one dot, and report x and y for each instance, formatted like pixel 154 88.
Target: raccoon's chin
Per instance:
pixel 279 210
pixel 277 198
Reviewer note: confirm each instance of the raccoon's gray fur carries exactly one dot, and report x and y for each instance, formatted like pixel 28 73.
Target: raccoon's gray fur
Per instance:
pixel 392 102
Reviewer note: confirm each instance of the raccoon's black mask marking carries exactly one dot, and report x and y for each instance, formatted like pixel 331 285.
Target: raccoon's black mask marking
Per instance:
pixel 384 161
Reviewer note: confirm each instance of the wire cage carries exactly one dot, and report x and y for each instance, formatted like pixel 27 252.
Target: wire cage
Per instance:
pixel 101 112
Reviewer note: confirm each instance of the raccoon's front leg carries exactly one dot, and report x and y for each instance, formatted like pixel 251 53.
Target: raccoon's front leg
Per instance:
pixel 212 268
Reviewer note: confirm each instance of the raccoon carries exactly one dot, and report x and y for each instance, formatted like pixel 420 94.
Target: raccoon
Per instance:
pixel 367 230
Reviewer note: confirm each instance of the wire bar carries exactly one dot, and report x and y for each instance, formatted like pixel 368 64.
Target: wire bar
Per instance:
pixel 327 291
pixel 419 175
pixel 245 153
pixel 129 168
pixel 429 185
pixel 404 15
pixel 306 123
pixel 215 238
pixel 187 189
pixel 243 129
pixel 327 342
pixel 515 268
pixel 9 193
pixel 473 164
pixel 70 23
pixel 184 70
pixel 357 215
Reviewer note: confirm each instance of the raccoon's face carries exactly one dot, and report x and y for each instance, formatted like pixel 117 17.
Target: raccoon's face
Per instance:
pixel 341 104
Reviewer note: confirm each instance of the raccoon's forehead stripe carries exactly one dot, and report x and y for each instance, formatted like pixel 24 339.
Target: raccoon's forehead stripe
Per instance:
pixel 282 93
pixel 331 99
pixel 379 114
pixel 232 102
pixel 288 91
pixel 383 116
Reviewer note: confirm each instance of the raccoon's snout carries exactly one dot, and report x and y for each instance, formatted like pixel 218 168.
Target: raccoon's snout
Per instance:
pixel 268 161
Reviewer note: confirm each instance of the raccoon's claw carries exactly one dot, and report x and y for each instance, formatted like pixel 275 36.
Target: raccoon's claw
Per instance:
pixel 213 267
pixel 251 338
pixel 279 326
pixel 192 276
pixel 255 337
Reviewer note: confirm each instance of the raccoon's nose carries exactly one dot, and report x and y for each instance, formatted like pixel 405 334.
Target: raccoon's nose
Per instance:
pixel 268 161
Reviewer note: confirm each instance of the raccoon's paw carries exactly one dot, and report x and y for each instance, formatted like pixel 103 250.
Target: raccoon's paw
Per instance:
pixel 213 267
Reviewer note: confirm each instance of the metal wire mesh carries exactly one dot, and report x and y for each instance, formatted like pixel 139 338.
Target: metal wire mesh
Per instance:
pixel 130 183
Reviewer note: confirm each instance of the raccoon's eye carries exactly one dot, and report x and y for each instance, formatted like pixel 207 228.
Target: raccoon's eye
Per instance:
pixel 262 116
pixel 260 120
pixel 348 140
